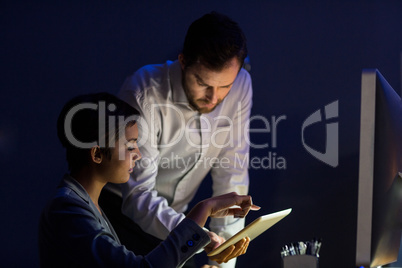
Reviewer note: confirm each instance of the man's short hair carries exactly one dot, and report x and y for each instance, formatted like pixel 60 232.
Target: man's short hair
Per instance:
pixel 213 40
pixel 92 118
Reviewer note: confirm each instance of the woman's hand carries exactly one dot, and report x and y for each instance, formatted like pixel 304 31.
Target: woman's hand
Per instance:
pixel 231 252
pixel 230 204
pixel 216 241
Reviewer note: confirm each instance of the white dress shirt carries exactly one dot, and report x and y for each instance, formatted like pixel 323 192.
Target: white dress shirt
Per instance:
pixel 179 146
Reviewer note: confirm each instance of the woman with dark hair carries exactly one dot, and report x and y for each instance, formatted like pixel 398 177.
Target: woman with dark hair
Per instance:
pixel 100 134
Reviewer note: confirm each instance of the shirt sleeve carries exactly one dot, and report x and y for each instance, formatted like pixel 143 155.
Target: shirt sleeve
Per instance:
pixel 234 177
pixel 71 230
pixel 141 201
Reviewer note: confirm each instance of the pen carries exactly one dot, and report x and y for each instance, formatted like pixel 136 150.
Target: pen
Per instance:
pixel 302 248
pixel 285 251
pixel 296 247
pixel 318 247
pixel 292 249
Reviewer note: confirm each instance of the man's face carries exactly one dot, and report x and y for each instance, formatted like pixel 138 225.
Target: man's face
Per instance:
pixel 206 88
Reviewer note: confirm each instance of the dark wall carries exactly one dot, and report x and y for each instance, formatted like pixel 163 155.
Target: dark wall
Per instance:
pixel 304 55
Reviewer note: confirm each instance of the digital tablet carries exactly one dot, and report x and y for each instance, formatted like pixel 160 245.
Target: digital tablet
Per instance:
pixel 254 229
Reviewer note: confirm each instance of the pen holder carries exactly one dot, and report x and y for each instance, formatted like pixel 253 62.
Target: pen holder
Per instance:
pixel 300 261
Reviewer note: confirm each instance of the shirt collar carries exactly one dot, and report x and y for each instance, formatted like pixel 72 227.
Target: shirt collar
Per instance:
pixel 74 185
pixel 175 73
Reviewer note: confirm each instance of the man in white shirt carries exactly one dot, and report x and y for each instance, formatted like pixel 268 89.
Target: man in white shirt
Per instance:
pixel 195 115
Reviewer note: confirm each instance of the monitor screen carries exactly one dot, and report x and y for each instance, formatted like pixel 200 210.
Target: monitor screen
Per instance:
pixel 380 177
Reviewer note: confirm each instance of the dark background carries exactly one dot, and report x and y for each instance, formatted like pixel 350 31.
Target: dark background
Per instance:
pixel 303 55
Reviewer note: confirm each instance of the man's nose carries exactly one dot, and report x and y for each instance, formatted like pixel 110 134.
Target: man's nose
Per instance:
pixel 212 95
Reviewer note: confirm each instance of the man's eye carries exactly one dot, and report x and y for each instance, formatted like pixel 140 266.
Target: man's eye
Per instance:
pixel 131 149
pixel 201 84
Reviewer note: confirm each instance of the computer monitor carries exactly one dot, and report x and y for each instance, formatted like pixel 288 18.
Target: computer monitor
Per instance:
pixel 380 177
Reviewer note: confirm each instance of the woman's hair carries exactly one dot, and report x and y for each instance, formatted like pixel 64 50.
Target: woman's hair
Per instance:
pixel 213 40
pixel 92 120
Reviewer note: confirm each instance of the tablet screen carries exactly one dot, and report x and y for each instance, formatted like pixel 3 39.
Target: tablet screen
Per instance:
pixel 254 229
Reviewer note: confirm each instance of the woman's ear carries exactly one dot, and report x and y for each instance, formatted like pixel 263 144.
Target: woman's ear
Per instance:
pixel 96 155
